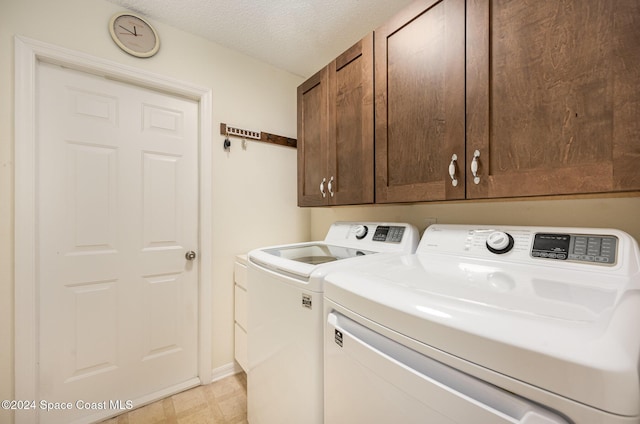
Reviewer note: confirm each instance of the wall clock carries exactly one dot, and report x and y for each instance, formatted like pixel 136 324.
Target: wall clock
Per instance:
pixel 134 35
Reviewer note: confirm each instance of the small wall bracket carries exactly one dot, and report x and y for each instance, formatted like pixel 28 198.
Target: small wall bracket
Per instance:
pixel 239 132
pixel 228 130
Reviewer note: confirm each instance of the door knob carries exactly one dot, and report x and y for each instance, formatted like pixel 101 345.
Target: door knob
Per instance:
pixel 190 255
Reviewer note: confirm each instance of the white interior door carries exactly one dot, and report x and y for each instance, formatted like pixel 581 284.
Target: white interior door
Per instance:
pixel 117 196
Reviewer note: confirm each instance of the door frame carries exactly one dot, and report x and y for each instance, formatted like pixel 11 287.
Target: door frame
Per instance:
pixel 28 54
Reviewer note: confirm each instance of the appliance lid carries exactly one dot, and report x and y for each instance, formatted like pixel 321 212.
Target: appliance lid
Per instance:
pixel 301 260
pixel 317 253
pixel 574 330
pixel 513 290
pixel 344 240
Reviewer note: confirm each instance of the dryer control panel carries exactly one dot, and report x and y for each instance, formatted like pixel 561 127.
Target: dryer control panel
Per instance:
pixel 563 246
pixel 575 247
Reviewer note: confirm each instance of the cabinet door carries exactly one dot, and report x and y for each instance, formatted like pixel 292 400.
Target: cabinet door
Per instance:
pixel 553 97
pixel 420 101
pixel 312 140
pixel 350 141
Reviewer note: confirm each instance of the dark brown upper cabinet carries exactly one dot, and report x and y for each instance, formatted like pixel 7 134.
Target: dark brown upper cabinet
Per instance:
pixel 420 103
pixel 553 97
pixel 335 131
pixel 477 99
pixel 312 140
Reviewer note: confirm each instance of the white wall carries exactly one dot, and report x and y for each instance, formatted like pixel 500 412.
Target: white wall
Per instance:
pixel 254 190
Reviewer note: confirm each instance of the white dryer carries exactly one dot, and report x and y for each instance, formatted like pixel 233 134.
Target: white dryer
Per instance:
pixel 488 325
pixel 285 315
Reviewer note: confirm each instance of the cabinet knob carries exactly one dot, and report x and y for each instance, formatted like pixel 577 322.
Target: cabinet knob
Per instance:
pixel 324 180
pixel 330 186
pixel 452 170
pixel 474 167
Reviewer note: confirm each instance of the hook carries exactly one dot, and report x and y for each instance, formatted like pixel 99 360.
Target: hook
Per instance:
pixel 227 144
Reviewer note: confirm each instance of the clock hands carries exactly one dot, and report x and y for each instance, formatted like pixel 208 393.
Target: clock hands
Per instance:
pixel 127 29
pixel 134 32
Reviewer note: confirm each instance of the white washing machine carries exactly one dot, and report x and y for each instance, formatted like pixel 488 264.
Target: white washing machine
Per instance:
pixel 285 315
pixel 488 325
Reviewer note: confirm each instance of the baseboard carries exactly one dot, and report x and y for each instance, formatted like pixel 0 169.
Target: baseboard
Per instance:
pixel 217 374
pixel 141 401
pixel 225 371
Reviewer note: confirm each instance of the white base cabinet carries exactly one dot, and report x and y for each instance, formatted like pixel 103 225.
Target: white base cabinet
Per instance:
pixel 240 310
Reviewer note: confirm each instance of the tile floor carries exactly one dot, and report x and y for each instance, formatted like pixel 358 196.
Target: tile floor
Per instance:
pixel 221 402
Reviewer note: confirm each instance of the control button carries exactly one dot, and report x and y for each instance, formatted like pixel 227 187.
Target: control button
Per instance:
pixel 580 245
pixel 561 256
pixel 594 241
pixel 581 239
pixel 608 246
pixel 608 242
pixel 361 231
pixel 499 242
pixel 593 246
pixel 395 234
pixel 580 250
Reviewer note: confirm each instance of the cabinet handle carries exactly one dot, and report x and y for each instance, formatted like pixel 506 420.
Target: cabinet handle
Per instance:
pixel 452 170
pixel 330 186
pixel 474 167
pixel 324 180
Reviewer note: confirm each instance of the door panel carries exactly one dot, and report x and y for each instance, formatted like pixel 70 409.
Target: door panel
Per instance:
pixel 162 310
pixel 420 100
pixel 95 332
pixel 351 126
pixel 552 92
pixel 92 182
pixel 160 195
pixel 117 210
pixel 312 133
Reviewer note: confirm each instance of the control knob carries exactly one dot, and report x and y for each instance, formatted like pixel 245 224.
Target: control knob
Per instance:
pixel 361 231
pixel 499 242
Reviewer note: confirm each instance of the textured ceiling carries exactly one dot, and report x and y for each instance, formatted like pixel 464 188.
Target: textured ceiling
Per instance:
pixel 300 36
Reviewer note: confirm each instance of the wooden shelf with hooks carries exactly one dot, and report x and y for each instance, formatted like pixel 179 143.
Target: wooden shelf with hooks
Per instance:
pixel 258 136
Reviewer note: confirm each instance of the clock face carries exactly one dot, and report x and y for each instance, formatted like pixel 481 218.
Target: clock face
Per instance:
pixel 134 35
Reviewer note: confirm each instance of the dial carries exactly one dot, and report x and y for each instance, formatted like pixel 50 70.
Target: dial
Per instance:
pixel 499 242
pixel 361 231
